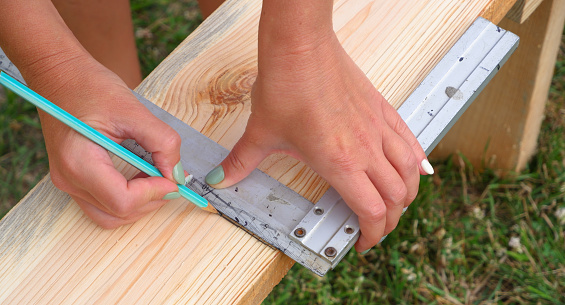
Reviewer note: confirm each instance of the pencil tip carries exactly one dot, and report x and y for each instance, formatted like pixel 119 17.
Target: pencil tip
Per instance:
pixel 209 208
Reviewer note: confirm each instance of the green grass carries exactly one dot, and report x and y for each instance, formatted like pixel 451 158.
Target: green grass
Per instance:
pixel 470 237
pixel 452 246
pixel 160 26
pixel 23 160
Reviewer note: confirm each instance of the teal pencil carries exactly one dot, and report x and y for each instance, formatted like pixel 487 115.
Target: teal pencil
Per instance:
pixel 98 138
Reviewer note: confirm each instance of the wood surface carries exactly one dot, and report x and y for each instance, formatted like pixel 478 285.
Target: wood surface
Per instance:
pixel 50 253
pixel 522 10
pixel 501 127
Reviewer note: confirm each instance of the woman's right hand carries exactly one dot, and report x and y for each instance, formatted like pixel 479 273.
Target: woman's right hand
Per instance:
pixel 78 166
pixel 54 64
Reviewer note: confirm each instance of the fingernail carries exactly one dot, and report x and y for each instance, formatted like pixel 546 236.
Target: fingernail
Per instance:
pixel 172 195
pixel 365 252
pixel 404 210
pixel 178 173
pixel 383 238
pixel 215 176
pixel 427 167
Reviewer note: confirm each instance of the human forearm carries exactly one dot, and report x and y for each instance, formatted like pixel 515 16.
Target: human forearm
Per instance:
pixel 36 39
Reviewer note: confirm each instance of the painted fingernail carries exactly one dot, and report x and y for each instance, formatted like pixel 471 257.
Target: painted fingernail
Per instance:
pixel 365 252
pixel 215 176
pixel 178 173
pixel 172 195
pixel 427 167
pixel 383 238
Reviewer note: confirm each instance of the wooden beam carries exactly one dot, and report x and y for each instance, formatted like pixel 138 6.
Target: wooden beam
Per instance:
pixel 501 127
pixel 522 10
pixel 50 252
pixel 496 11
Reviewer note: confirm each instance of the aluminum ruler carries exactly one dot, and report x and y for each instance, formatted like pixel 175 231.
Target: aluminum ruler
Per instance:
pixel 319 235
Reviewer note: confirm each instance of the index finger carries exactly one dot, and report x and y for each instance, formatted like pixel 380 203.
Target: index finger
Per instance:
pixel 158 138
pixel 396 123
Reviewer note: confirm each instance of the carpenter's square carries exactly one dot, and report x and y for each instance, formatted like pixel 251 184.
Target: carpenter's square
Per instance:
pixel 319 235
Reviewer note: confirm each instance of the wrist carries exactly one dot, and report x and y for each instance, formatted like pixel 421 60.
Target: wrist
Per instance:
pixel 58 69
pixel 294 26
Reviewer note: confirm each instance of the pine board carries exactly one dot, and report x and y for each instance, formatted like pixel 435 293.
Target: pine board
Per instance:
pixel 51 253
pixel 522 10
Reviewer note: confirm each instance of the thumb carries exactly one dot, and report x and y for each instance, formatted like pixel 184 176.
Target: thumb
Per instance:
pixel 162 141
pixel 241 161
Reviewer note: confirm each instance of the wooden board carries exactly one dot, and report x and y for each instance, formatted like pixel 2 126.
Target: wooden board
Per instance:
pixel 51 253
pixel 514 102
pixel 522 10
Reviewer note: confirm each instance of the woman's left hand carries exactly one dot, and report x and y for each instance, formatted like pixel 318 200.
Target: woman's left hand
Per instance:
pixel 315 104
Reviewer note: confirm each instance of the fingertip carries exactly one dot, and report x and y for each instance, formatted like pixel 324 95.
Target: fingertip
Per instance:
pixel 216 176
pixel 382 239
pixel 241 161
pixel 178 173
pixel 171 196
pixel 363 246
pixel 152 189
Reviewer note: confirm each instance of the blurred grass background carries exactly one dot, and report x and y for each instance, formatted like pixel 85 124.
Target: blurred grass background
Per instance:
pixel 469 238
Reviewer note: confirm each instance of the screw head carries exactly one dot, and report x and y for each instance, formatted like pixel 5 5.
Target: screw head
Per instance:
pixel 330 252
pixel 318 211
pixel 299 232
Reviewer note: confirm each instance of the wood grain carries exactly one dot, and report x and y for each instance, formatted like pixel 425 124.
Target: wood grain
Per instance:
pixel 52 254
pixel 496 11
pixel 522 10
pixel 501 127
